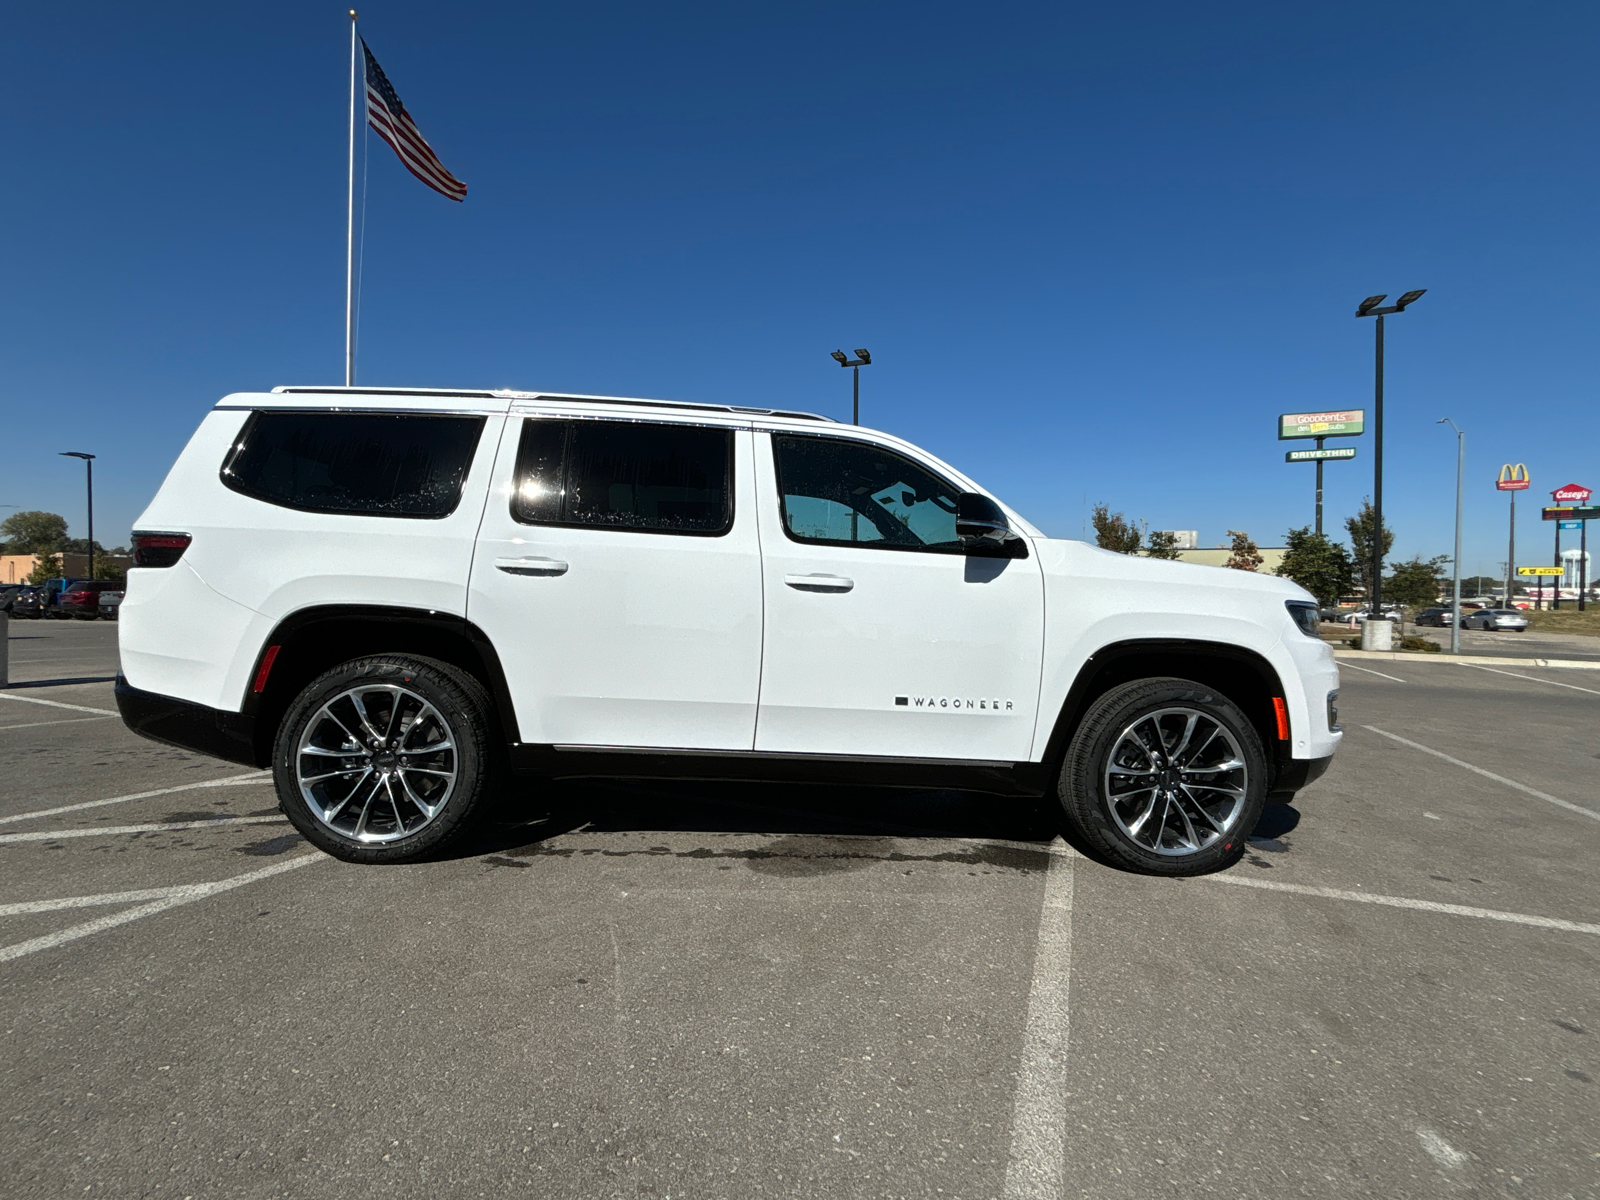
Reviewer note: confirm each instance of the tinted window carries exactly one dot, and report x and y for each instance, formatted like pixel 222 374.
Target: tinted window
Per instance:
pixel 636 475
pixel 372 464
pixel 834 490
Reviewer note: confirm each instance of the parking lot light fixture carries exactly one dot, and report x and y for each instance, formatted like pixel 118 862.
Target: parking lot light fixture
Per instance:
pixel 1455 596
pixel 862 359
pixel 88 462
pixel 1373 306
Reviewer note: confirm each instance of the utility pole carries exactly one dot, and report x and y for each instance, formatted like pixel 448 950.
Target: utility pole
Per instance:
pixel 1455 595
pixel 1369 308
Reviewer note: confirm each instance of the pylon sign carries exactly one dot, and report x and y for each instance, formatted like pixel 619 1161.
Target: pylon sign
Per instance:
pixel 1513 478
pixel 1573 493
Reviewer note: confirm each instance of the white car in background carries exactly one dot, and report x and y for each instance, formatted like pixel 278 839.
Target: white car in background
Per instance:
pixel 110 602
pixel 401 599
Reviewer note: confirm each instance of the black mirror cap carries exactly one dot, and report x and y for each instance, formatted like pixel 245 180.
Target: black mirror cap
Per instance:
pixel 983 529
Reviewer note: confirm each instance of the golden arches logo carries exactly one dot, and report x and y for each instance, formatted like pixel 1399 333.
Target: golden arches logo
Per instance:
pixel 1513 478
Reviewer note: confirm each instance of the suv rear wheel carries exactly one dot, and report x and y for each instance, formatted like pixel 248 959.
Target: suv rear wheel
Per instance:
pixel 1165 776
pixel 385 759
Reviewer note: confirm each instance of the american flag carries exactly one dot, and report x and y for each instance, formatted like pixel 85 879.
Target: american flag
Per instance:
pixel 388 116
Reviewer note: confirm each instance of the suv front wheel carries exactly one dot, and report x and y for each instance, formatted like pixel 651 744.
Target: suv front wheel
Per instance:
pixel 1165 776
pixel 385 759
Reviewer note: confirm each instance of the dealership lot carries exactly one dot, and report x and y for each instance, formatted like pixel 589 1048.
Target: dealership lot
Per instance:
pixel 631 990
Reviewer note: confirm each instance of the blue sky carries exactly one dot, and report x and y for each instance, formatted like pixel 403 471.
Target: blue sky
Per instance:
pixel 1094 249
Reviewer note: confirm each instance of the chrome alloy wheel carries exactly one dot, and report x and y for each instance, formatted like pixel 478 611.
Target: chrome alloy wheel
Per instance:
pixel 1176 781
pixel 376 763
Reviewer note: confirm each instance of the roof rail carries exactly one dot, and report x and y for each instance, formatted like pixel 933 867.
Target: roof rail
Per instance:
pixel 510 393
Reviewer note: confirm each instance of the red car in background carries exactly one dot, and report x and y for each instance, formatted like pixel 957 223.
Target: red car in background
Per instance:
pixel 81 599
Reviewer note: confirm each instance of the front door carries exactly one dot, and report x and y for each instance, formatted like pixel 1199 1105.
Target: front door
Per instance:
pixel 618 575
pixel 882 637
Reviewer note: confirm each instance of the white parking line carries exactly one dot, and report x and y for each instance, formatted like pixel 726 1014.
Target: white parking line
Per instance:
pixel 119 830
pixel 1466 766
pixel 38 906
pixel 225 781
pixel 176 896
pixel 1037 1163
pixel 104 712
pixel 1368 670
pixel 1452 910
pixel 1534 678
pixel 63 721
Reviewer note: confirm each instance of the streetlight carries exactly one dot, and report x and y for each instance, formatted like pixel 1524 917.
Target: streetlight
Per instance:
pixel 1455 602
pixel 862 359
pixel 88 462
pixel 1369 308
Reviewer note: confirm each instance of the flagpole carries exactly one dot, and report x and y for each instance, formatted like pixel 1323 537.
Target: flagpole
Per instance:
pixel 350 228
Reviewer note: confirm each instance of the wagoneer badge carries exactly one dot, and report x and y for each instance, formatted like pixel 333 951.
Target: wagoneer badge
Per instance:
pixel 950 703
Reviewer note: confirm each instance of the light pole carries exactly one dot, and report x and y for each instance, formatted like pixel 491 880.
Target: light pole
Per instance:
pixel 1369 308
pixel 88 462
pixel 1455 600
pixel 862 359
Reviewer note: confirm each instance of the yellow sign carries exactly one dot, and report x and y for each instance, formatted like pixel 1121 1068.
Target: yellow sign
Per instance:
pixel 1513 478
pixel 1541 570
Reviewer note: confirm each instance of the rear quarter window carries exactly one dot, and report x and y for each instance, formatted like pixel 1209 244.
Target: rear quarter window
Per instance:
pixel 364 464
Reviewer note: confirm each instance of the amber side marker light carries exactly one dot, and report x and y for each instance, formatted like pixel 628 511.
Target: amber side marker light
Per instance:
pixel 1279 710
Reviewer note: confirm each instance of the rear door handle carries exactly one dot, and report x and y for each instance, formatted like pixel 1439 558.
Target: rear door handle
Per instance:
pixel 531 566
pixel 819 583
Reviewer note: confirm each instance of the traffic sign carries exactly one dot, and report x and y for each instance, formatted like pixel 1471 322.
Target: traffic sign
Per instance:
pixel 1315 455
pixel 1541 570
pixel 1571 512
pixel 1347 423
pixel 1569 524
pixel 1573 493
pixel 1513 478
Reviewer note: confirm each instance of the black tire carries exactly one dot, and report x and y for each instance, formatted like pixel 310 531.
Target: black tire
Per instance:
pixel 394 828
pixel 1131 716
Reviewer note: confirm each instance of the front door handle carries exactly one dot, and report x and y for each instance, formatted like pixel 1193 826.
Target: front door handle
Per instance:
pixel 819 583
pixel 531 566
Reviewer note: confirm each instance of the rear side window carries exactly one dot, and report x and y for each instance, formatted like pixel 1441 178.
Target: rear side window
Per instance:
pixel 368 464
pixel 634 475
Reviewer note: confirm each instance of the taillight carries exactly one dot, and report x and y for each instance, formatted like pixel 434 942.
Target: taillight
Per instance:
pixel 159 549
pixel 74 597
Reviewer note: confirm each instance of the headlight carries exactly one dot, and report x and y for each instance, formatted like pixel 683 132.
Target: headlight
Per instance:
pixel 1306 616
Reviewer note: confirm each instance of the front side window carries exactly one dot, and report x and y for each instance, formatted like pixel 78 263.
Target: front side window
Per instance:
pixel 367 464
pixel 838 490
pixel 632 475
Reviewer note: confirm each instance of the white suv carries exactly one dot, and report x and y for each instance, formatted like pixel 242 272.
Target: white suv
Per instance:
pixel 397 599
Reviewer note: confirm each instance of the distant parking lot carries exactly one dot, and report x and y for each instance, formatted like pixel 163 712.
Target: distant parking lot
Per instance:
pixel 748 991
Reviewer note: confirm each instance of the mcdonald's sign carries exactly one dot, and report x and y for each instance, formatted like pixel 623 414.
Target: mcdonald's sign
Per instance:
pixel 1513 478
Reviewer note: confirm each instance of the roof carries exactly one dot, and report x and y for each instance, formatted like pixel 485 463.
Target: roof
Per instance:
pixel 515 395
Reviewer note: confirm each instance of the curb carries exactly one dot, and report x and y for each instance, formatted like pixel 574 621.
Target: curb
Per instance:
pixel 1468 660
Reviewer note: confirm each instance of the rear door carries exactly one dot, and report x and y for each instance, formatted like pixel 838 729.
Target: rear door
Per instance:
pixel 618 574
pixel 882 637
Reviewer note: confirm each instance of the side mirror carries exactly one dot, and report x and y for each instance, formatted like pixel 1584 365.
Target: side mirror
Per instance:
pixel 983 529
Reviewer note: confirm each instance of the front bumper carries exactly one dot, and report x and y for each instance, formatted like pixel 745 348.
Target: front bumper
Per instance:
pixel 1294 774
pixel 225 735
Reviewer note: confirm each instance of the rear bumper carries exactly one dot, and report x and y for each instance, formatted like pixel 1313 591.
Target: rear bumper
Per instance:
pixel 225 735
pixel 1294 774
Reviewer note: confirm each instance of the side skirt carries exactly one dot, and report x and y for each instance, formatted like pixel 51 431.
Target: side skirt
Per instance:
pixel 625 762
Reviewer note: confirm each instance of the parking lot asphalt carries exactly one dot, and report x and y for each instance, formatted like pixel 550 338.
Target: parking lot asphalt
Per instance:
pixel 741 991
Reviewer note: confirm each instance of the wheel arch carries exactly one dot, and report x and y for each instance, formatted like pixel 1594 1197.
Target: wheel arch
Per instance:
pixel 310 641
pixel 1242 675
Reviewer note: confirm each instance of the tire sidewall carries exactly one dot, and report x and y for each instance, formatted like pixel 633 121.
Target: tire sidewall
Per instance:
pixel 1081 786
pixel 444 687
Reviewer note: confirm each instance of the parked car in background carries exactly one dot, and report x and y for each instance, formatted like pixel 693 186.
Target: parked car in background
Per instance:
pixel 25 603
pixel 81 599
pixel 110 601
pixel 1353 619
pixel 1505 620
pixel 1442 617
pixel 8 593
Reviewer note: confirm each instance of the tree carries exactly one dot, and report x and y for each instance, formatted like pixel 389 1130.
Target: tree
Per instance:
pixel 1360 528
pixel 1479 585
pixel 1318 564
pixel 1416 582
pixel 1163 544
pixel 48 567
pixel 34 532
pixel 1113 531
pixel 1245 556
